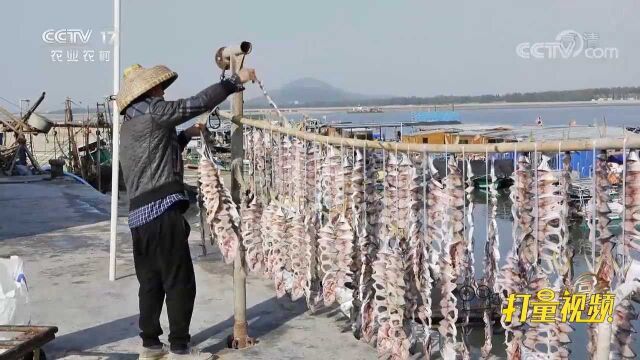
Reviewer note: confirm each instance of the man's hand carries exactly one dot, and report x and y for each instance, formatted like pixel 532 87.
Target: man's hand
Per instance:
pixel 247 74
pixel 194 130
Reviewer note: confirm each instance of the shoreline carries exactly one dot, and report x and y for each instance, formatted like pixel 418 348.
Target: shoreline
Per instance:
pixel 466 106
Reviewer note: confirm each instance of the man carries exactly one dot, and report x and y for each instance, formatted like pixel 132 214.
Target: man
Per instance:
pixel 152 167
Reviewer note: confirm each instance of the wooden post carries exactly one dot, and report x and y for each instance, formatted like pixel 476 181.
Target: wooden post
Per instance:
pixel 240 335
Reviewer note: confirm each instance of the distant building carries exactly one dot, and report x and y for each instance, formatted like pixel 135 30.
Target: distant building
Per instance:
pixel 457 134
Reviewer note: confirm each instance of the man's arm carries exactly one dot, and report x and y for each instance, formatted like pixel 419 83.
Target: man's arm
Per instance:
pixel 183 140
pixel 174 113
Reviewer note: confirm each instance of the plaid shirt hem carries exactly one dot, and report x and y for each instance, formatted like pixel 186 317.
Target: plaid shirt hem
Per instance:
pixel 145 214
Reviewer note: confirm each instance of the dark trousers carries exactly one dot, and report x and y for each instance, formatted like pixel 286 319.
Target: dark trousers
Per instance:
pixel 164 268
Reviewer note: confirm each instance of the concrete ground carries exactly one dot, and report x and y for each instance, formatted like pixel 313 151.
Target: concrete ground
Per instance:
pixel 61 229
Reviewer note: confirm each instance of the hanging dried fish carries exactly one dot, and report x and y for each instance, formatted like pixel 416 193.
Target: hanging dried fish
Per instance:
pixel 436 208
pixel 222 214
pixel 420 244
pixel 623 339
pixel 331 181
pixel 468 274
pixel 267 227
pixel 624 315
pixel 624 311
pixel 512 276
pixel 632 206
pixel 416 251
pixel 345 234
pixel 279 258
pixel 491 258
pixel 452 258
pixel 251 210
pixel 358 210
pixel 343 242
pixel 297 231
pixel 454 187
pixel 548 214
pixel 331 198
pixel 566 252
pixel 546 210
pixel 468 212
pixel 512 281
pixel 269 154
pixel 252 233
pixel 559 331
pixel 536 337
pixel 522 197
pixel 345 186
pixel 388 238
pixel 312 220
pixel 380 314
pixel 326 245
pixel 406 210
pixel 369 286
pixel 600 230
pixel 392 341
pixel 286 175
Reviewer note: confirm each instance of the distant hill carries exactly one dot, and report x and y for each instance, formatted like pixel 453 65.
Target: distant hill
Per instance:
pixel 307 92
pixel 331 96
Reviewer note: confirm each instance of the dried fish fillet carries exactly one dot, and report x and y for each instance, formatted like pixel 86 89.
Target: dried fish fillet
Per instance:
pixel 491 258
pixel 312 219
pixel 631 240
pixel 548 215
pixel 279 259
pixel 522 197
pixel 252 233
pixel 222 214
pixel 358 216
pixel 388 272
pixel 369 253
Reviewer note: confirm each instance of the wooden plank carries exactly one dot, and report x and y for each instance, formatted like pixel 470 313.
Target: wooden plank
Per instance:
pixel 38 336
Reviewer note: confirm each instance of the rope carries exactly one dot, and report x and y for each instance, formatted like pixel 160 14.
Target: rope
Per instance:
pixel 273 104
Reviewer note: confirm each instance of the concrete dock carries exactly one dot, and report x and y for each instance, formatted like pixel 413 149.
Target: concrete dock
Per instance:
pixel 61 230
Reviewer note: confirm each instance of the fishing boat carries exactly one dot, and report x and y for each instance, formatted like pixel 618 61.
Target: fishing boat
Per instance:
pixel 364 110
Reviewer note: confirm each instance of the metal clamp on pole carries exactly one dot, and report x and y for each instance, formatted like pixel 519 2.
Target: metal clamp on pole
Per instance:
pixel 232 58
pixel 225 54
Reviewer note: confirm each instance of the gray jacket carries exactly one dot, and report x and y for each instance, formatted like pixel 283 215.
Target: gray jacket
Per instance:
pixel 151 149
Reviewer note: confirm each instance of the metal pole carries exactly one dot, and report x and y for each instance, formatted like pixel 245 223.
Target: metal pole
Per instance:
pixel 98 152
pixel 240 335
pixel 115 156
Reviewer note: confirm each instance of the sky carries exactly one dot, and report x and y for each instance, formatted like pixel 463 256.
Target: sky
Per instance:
pixel 400 47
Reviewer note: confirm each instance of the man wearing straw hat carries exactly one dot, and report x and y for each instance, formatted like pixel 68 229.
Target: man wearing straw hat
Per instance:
pixel 152 167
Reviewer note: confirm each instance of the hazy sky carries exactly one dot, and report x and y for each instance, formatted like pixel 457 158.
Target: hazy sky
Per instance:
pixel 399 47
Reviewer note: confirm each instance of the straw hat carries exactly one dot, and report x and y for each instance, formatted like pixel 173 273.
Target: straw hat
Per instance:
pixel 139 80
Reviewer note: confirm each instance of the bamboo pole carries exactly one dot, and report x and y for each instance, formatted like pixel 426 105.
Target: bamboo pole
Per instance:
pixel 543 146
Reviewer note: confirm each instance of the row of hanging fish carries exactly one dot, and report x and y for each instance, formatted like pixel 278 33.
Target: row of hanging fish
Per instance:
pixel 389 238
